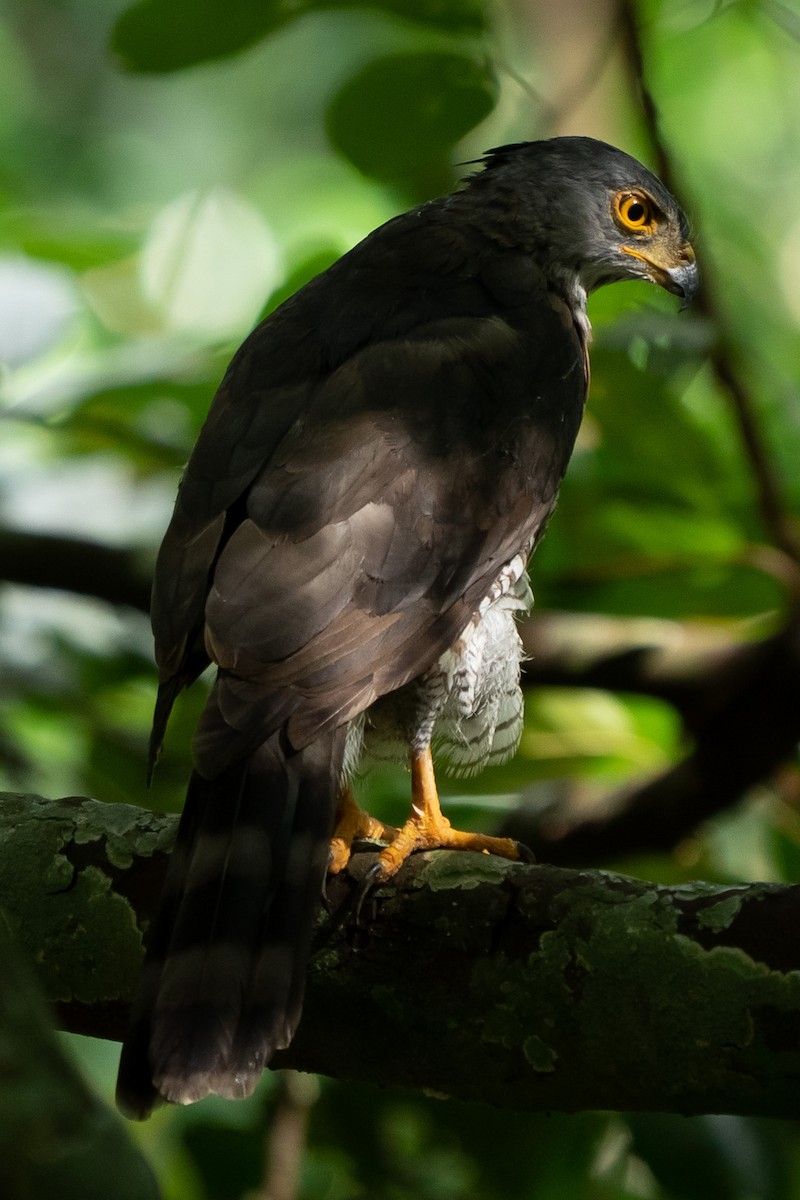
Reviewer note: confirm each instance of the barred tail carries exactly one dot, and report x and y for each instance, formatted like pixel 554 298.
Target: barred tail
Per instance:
pixel 222 985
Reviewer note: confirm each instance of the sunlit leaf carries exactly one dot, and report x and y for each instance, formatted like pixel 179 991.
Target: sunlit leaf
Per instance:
pixel 208 263
pixel 67 235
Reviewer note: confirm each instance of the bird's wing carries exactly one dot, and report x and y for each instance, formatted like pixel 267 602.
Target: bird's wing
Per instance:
pixel 334 534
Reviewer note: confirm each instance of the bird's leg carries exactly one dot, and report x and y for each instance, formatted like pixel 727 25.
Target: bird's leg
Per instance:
pixel 353 823
pixel 428 829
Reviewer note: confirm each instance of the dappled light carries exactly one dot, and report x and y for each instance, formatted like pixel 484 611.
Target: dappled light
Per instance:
pixel 172 171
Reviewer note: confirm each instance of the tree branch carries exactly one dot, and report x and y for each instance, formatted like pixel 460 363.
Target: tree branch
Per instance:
pixel 118 576
pixel 680 662
pixel 524 986
pixel 675 661
pixel 775 513
pixel 744 712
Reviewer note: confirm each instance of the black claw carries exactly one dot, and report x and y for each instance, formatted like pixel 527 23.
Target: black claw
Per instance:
pixel 324 898
pixel 372 878
pixel 525 853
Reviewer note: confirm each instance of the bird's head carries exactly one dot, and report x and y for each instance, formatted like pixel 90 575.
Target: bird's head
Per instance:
pixel 594 214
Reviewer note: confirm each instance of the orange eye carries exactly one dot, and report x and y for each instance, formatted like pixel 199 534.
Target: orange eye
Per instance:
pixel 634 210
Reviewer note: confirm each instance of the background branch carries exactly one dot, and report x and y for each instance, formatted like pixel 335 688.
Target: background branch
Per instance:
pixel 775 513
pixel 742 706
pixel 739 702
pixel 117 575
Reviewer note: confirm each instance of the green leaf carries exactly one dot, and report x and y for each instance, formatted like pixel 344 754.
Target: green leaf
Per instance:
pixel 169 35
pixel 712 591
pixel 398 118
pixel 463 15
pixel 77 239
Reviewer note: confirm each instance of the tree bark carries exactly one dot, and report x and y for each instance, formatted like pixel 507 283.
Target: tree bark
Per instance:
pixel 527 986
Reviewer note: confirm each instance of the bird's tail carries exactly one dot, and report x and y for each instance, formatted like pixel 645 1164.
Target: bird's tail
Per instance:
pixel 222 985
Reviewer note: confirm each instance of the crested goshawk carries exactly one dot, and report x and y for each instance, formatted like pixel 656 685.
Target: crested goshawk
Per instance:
pixel 349 546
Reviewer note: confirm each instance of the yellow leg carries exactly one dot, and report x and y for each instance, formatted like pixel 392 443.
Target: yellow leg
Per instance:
pixel 353 823
pixel 427 829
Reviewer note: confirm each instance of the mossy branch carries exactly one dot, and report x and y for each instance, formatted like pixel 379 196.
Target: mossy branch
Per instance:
pixel 526 986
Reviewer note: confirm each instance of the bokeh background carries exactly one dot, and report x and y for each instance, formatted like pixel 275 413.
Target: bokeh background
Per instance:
pixel 169 172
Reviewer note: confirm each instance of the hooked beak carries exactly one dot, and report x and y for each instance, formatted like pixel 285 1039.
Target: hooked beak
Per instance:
pixel 683 281
pixel 682 278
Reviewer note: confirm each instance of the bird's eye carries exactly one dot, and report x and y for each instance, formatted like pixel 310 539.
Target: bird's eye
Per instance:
pixel 634 211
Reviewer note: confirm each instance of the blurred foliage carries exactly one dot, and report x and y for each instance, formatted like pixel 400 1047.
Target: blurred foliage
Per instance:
pixel 375 119
pixel 166 35
pixel 56 1135
pixel 170 171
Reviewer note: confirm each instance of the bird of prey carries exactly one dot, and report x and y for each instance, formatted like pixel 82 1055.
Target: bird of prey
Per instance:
pixel 349 547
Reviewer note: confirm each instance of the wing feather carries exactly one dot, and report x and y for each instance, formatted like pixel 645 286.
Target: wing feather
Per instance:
pixel 352 497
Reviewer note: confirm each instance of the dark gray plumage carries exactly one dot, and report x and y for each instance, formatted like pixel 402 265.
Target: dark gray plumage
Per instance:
pixel 380 451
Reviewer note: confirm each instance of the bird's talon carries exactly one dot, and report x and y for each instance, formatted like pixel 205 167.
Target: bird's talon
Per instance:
pixel 373 878
pixel 353 825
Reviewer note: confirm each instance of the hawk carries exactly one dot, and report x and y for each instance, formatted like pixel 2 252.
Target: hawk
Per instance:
pixel 349 546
